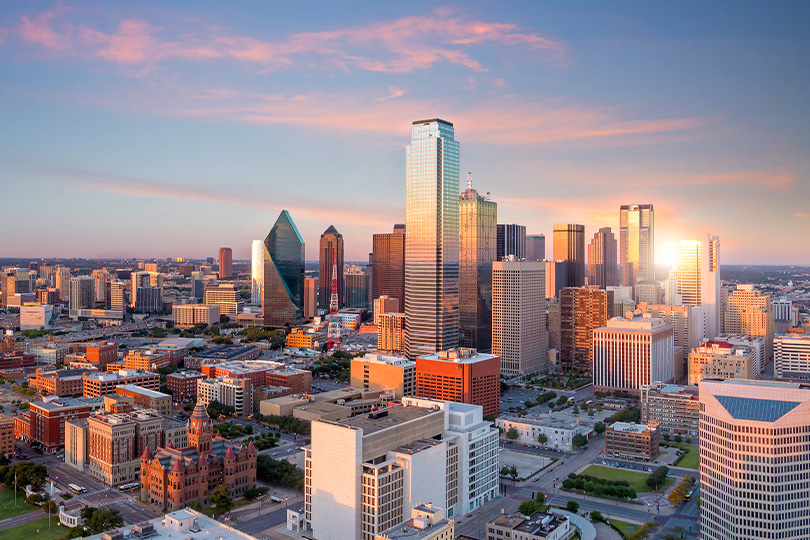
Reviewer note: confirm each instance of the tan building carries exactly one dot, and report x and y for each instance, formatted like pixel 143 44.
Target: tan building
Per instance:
pixel 378 372
pixel 115 442
pixel 791 356
pixel 633 441
pixel 582 310
pixel 750 312
pixel 385 304
pixel 538 526
pixel 6 436
pixel 310 297
pixel 427 523
pixel 391 332
pixel 301 338
pixel 230 391
pixel 226 296
pixel 104 384
pixel 77 444
pixel 337 404
pixel 715 359
pixel 675 408
pixel 145 398
pixel 188 315
pixel 147 359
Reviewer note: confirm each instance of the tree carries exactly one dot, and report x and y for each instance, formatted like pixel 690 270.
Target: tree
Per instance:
pixel 657 478
pixel 512 434
pixel 540 497
pixel 599 428
pixel 688 440
pixel 196 505
pixel 504 471
pixel 280 472
pixel 596 515
pixel 221 498
pixel 572 506
pixel 666 437
pixel 562 400
pixel 579 441
pixel 99 520
pixel 527 508
pixel 542 438
pixel 575 410
pixel 590 411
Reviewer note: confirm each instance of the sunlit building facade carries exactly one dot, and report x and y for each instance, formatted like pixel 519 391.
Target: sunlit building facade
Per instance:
pixel 283 272
pixel 388 261
pixel 569 245
pixel 750 313
pixel 330 253
pixel 689 270
pixel 582 310
pixel 256 272
pixel 602 266
pixel 225 262
pixel 636 243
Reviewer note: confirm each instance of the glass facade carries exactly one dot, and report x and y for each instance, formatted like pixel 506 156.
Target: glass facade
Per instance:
pixel 431 242
pixel 256 272
pixel 388 259
pixel 283 273
pixel 569 245
pixel 330 254
pixel 602 266
pixel 636 243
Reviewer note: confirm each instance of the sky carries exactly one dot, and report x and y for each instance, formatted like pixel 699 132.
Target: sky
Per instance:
pixel 168 129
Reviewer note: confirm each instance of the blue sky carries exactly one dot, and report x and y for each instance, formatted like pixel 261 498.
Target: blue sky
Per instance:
pixel 151 130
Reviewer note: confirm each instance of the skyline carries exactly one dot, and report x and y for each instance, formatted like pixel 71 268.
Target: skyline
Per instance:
pixel 211 120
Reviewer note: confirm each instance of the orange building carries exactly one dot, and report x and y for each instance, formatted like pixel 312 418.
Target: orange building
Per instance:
pixel 62 382
pixel 6 436
pixel 461 375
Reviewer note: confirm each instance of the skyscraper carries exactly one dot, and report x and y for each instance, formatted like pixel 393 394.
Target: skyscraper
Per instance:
pixel 310 300
pixel 636 243
pixel 82 292
pixel 356 288
pixel 431 245
pixel 710 283
pixel 569 245
pixel 582 310
pixel 750 312
pixel 477 220
pixel 256 272
pixel 330 253
pixel 535 247
pixel 282 299
pixel 511 241
pixel 689 264
pixel 602 268
pixel 225 259
pixel 388 265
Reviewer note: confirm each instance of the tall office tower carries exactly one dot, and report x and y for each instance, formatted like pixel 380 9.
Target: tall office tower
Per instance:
pixel 754 454
pixel 14 281
pixel 648 292
pixel 82 292
pixel 461 375
pixel 671 296
pixel 511 241
pixel 629 353
pixel 330 253
pixel 602 268
pixel 357 282
pixel 569 245
pixel 750 313
pixel 556 277
pixel 791 356
pixel 431 245
pixel 364 474
pixel 385 304
pixel 100 277
pixel 710 283
pixel 535 247
pixel 388 260
pixel 636 243
pixel 582 310
pixel 283 273
pixel 477 219
pixel 62 281
pixel 225 260
pixel 115 295
pixel 198 283
pixel 689 270
pixel 519 316
pixel 310 297
pixel 256 272
pixel 554 318
pixel 380 372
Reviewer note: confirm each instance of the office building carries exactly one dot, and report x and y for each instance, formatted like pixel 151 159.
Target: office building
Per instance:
pixel 582 310
pixel 674 408
pixel 97 384
pixel 519 317
pixel 463 376
pixel 791 356
pixel 717 359
pixel 310 298
pixel 538 526
pixel 62 281
pixel 146 399
pixel 380 372
pixel 184 523
pixel 556 278
pixel 330 253
pixel 559 432
pixel 535 247
pixel 602 265
pixel 82 292
pixel 225 260
pixel 569 245
pixel 385 304
pixel 427 523
pixel 220 354
pixel 391 332
pixel 388 261
pixel 6 436
pixel 46 353
pixel 710 290
pixel 783 311
pixel 226 296
pixel 307 339
pixel 62 383
pixel 182 385
pixel 100 279
pixel 631 352
pixel 229 391
pixel 115 295
pixel 44 422
pixel 431 244
pixel 752 342
pixel 511 241
pixel 283 273
pixel 364 474
pixel 750 312
pixel 48 296
pixel 753 460
pixel 648 292
pixel 478 217
pixel 689 328
pixel 554 321
pixel 632 441
pixel 256 272
pixel 636 243
pixel 189 315
pixel 357 280
pixel 16 281
pixel 689 272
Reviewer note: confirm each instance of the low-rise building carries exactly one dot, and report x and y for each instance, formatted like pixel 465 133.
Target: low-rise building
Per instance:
pixel 427 522
pixel 380 372
pixel 16 360
pixel 98 384
pixel 182 385
pixel 188 315
pixel 36 316
pixel 718 359
pixel 675 408
pixel 559 432
pixel 791 356
pixel 61 383
pixel 6 436
pixel 49 353
pixel 633 441
pixel 303 338
pixel 145 398
pixel 222 353
pixel 183 523
pixel 44 422
pixel 538 526
pixel 461 375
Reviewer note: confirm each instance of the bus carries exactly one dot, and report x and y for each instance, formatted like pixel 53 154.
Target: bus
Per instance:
pixel 128 488
pixel 688 496
pixel 76 489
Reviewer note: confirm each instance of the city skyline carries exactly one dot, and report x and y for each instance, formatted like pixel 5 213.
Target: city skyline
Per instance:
pixel 565 115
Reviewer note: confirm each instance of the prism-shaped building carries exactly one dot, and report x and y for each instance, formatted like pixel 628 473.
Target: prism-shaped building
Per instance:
pixel 282 297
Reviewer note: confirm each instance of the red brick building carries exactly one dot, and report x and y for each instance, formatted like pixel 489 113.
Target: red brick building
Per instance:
pixel 183 384
pixel 44 422
pixel 461 375
pixel 299 380
pixel 102 353
pixel 171 478
pixel 6 436
pixel 99 384
pixel 16 360
pixel 62 383
pixel 261 374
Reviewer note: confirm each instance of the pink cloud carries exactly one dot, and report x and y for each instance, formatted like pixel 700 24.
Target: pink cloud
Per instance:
pixel 40 30
pixel 801 215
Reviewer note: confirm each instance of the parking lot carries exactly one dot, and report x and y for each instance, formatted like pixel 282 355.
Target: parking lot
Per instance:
pixel 526 464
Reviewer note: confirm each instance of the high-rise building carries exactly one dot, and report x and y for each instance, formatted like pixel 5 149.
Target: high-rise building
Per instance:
pixel 750 313
pixel 717 359
pixel 283 273
pixel 602 268
pixel 511 241
pixel 100 277
pixel 379 372
pixel 519 316
pixel 675 408
pixel 256 272
pixel 629 353
pixel 385 304
pixel 636 243
pixel 82 292
pixel 330 253
pixel 689 327
pixel 147 292
pixel 357 280
pixel 225 262
pixel 224 295
pixel 753 460
pixel 648 292
pixel 391 332
pixel 582 310
pixel 556 278
pixel 431 243
pixel 189 315
pixel 477 248
pixel 461 375
pixel 710 291
pixel 310 297
pixel 791 356
pixel 62 281
pixel 388 261
pixel 16 281
pixel 689 271
pixel 569 245
pixel 535 247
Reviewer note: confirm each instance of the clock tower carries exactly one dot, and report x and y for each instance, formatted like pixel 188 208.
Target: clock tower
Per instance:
pixel 199 429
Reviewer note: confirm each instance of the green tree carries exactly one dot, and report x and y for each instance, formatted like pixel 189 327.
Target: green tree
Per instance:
pixel 666 437
pixel 542 438
pixel 99 520
pixel 513 473
pixel 504 471
pixel 572 506
pixel 596 515
pixel 221 498
pixel 196 505
pixel 540 498
pixel 678 438
pixel 579 441
pixel 575 410
pixel 657 478
pixel 512 434
pixel 527 508
pixel 599 428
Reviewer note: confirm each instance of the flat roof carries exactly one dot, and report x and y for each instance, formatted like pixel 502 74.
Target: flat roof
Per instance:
pixel 144 391
pixel 184 523
pixel 459 356
pixel 224 352
pixel 629 428
pixel 396 415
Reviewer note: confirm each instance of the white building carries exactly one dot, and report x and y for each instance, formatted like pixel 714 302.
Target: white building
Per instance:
pixel 36 316
pixel 230 391
pixel 791 356
pixel 559 432
pixel 256 272
pixel 187 315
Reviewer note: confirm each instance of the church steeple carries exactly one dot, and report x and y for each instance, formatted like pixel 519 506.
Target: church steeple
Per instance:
pixel 199 430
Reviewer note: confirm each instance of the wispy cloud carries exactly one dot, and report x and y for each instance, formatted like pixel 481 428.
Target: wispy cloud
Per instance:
pixel 801 215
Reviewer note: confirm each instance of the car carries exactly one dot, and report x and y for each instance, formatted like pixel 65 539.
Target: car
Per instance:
pixel 536 479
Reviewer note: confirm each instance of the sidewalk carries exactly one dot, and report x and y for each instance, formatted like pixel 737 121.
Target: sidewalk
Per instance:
pixel 586 529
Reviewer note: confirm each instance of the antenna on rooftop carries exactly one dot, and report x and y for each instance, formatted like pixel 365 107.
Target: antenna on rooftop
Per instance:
pixel 469 180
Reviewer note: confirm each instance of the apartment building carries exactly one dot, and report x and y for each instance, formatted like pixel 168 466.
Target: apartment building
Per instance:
pixel 188 315
pixel 6 436
pixel 674 408
pixel 391 332
pixel 716 359
pixel 61 382
pixel 380 372
pixel 384 304
pixel 461 375
pixel 633 441
pixel 791 356
pixel 145 398
pixel 98 384
pixel 44 422
pixel 229 391
pixel 183 384
pixel 750 312
pixel 226 296
pixel 143 358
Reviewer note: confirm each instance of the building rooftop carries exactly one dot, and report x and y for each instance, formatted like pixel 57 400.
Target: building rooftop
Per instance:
pixel 629 428
pixel 143 391
pixel 386 418
pixel 185 523
pixel 538 524
pixel 186 374
pixel 120 374
pixel 223 352
pixel 174 343
pixel 391 360
pixel 460 355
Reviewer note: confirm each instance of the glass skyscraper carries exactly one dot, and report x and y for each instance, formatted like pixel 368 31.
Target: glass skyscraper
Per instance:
pixel 636 243
pixel 256 272
pixel 282 299
pixel 431 242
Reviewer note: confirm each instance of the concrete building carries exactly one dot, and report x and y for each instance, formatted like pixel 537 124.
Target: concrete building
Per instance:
pixel 535 247
pixel 753 458
pixel 689 327
pixel 356 287
pixel 229 391
pixel 750 312
pixel 582 310
pixel 631 352
pixel 648 292
pixel 225 262
pixel 82 292
pixel 36 316
pixel 222 353
pixel 632 441
pixel 603 267
pixel 556 278
pixel 44 422
pixel 519 317
pixel 511 241
pixel 184 523
pixel 388 262
pixel 188 315
pixel 559 432
pixel 538 526
pixel 379 372
pixel 751 342
pixel 146 399
pixel 674 408
pixel 462 376
pixel 791 356
pixel 16 281
pixel 385 304
pixel 330 254
pixel 427 523
pixel 224 295
pixel 310 298
pixel 97 384
pixel 717 359
pixel 364 473
pixel 61 383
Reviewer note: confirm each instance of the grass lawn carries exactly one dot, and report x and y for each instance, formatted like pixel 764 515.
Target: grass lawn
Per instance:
pixel 691 459
pixel 29 531
pixel 637 480
pixel 624 527
pixel 7 509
